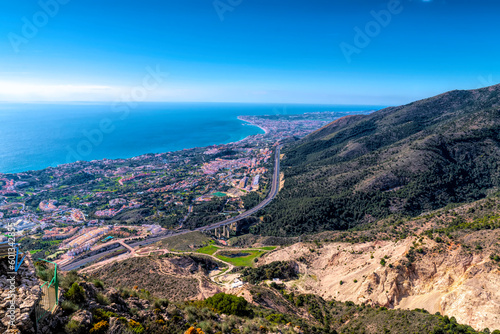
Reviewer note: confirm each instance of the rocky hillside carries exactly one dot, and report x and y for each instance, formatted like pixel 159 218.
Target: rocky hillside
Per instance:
pixel 180 278
pixel 89 306
pixel 447 261
pixel 452 283
pixel 419 275
pixel 400 160
pixel 26 290
pixel 328 286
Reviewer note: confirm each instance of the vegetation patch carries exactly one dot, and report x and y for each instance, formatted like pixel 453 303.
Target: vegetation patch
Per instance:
pixel 209 250
pixel 186 242
pixel 228 304
pixel 240 259
pixel 406 160
pixel 268 248
pixel 279 269
pixel 234 255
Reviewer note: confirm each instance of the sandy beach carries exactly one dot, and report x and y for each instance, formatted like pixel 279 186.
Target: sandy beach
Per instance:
pixel 247 121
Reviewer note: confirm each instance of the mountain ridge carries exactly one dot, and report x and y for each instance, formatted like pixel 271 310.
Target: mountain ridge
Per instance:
pixel 399 160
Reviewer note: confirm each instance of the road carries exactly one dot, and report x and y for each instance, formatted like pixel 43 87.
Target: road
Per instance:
pixel 272 194
pixel 121 242
pixel 79 263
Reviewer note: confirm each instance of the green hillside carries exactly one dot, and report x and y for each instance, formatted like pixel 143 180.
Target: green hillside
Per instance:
pixel 400 160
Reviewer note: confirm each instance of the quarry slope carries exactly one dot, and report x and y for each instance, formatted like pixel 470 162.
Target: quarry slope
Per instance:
pixel 449 281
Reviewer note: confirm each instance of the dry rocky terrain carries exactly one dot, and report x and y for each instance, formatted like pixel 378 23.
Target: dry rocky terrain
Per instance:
pixel 445 279
pixel 180 278
pixel 27 291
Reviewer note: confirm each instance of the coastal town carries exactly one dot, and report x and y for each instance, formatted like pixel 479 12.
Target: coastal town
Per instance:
pixel 64 211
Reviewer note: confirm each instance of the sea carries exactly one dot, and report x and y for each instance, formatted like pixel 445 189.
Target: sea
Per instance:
pixel 37 136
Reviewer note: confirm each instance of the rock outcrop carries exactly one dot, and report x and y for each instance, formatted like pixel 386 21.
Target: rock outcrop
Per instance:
pixel 25 287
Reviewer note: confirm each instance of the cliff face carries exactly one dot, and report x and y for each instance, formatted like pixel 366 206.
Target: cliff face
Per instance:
pixel 445 279
pixel 26 291
pixel 456 284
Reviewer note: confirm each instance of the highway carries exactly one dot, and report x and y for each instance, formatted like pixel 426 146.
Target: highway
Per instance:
pixel 80 263
pixel 272 194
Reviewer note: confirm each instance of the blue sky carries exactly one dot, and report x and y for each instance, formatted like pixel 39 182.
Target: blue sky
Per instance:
pixel 246 50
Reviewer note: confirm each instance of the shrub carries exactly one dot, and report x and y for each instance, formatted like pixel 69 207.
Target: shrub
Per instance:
pixel 100 328
pixel 193 330
pixel 67 280
pixel 69 306
pixel 98 284
pixel 382 262
pixel 102 299
pixel 72 327
pixel 125 293
pixel 277 318
pixel 228 304
pixel 101 315
pixel 135 327
pixel 160 302
pixel 76 294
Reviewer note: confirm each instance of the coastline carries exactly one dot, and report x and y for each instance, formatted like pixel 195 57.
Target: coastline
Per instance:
pixel 266 130
pixel 162 127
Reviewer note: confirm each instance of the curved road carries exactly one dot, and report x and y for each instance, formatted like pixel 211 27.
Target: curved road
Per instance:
pixel 272 194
